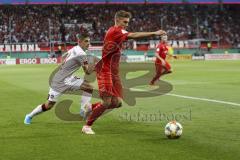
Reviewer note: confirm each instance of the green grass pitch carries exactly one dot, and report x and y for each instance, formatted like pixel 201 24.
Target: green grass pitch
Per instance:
pixel 211 130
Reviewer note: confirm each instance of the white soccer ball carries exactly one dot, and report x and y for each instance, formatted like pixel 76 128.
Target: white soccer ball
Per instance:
pixel 173 130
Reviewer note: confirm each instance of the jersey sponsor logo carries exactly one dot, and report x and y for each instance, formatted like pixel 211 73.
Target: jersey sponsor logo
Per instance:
pixel 28 61
pixel 48 60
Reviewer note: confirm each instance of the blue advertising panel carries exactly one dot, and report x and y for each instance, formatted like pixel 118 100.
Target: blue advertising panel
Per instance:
pixel 86 1
pixel 116 1
pixel 46 1
pixel 194 1
pixel 231 1
pixel 165 1
pixel 203 1
pixel 32 1
pixel 126 1
pixel 12 1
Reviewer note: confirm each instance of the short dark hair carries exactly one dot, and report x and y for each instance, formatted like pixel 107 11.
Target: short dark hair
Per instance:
pixel 82 36
pixel 123 14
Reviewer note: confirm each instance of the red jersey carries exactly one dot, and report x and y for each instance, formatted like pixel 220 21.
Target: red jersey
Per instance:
pixel 161 50
pixel 111 52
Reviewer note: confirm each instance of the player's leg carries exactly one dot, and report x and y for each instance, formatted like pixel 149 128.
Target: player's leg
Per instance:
pixel 116 100
pixel 105 85
pixel 52 98
pixel 116 103
pixel 97 111
pixel 108 103
pixel 158 69
pixel 77 84
pixel 167 69
pixel 39 109
pixel 86 106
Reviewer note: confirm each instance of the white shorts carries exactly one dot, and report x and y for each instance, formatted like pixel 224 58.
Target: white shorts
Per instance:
pixel 71 84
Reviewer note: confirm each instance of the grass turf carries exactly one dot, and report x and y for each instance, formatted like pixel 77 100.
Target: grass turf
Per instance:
pixel 210 130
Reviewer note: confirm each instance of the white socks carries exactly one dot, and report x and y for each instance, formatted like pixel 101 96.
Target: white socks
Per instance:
pixel 36 111
pixel 86 97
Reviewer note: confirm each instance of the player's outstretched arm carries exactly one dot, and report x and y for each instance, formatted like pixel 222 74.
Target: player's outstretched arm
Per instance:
pixel 171 54
pixel 136 35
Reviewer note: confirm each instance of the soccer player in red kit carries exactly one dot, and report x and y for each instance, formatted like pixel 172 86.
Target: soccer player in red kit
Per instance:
pixel 107 69
pixel 161 65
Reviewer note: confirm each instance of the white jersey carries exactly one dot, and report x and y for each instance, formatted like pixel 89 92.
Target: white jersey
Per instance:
pixel 63 76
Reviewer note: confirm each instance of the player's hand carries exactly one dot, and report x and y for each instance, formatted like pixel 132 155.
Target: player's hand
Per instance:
pixel 163 63
pixel 160 33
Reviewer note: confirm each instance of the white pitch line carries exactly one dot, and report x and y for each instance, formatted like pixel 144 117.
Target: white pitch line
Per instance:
pixel 189 97
pixel 204 99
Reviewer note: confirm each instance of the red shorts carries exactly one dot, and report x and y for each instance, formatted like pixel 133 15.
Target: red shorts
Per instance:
pixel 160 67
pixel 109 85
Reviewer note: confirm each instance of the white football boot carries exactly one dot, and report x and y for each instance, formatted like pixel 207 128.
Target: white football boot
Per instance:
pixel 87 130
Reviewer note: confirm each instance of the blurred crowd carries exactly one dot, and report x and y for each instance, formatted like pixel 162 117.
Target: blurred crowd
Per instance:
pixel 44 23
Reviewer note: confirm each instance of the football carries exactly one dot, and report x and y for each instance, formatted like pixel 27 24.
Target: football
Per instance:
pixel 173 130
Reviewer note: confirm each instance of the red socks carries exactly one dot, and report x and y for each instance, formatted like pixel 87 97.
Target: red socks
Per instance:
pixel 95 105
pixel 97 111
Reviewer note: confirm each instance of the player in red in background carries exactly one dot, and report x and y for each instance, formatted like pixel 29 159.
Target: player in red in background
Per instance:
pixel 109 83
pixel 161 65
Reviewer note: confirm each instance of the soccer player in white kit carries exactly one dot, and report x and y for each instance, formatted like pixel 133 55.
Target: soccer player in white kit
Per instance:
pixel 63 80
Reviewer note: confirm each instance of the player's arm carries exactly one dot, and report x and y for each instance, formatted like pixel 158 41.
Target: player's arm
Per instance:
pixel 89 68
pixel 158 50
pixel 86 69
pixel 171 54
pixel 161 59
pixel 136 35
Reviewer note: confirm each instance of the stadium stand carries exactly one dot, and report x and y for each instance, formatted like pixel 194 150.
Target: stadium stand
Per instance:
pixel 42 23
